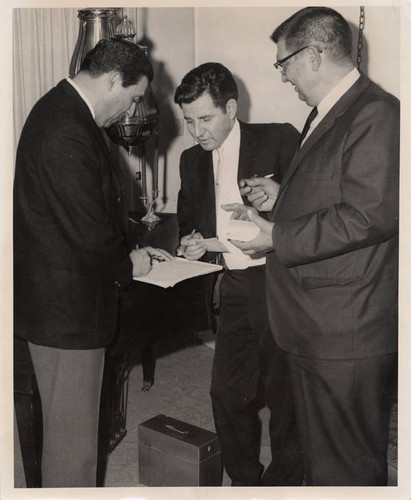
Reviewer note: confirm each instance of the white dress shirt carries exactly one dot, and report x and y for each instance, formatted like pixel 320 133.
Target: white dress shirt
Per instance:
pixel 332 97
pixel 225 163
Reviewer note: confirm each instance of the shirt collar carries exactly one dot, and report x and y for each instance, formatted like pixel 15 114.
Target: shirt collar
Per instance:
pixel 82 95
pixel 232 141
pixel 337 92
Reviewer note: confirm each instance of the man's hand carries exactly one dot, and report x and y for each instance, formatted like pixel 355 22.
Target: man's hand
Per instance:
pixel 141 262
pixel 158 254
pixel 143 258
pixel 263 242
pixel 260 191
pixel 240 212
pixel 191 246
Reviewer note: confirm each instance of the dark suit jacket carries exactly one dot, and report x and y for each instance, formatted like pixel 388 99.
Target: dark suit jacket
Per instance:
pixel 332 280
pixel 70 257
pixel 264 149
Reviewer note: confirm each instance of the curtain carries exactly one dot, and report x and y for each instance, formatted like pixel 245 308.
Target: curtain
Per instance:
pixel 43 42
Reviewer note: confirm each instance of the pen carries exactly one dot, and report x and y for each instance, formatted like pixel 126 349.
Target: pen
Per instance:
pixel 268 176
pixel 180 251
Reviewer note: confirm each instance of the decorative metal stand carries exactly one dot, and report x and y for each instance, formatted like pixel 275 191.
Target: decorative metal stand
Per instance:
pixel 134 130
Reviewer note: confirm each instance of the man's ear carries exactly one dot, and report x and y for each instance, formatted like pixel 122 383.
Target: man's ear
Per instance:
pixel 113 79
pixel 315 58
pixel 231 108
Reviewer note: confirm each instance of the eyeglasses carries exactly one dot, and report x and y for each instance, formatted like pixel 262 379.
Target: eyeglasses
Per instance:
pixel 280 64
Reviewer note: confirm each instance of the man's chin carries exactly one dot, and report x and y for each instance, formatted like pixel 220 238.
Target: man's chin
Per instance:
pixel 207 146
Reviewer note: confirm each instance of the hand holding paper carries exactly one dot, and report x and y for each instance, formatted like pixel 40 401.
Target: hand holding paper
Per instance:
pixel 262 241
pixel 192 246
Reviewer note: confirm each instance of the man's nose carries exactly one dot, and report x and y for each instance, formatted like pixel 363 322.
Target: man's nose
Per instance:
pixel 284 79
pixel 198 129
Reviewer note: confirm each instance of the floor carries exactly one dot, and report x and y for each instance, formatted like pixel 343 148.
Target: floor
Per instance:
pixel 181 391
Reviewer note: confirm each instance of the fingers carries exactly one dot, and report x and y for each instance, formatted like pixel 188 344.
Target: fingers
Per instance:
pixel 231 206
pixel 195 254
pixel 191 246
pixel 158 254
pixel 244 246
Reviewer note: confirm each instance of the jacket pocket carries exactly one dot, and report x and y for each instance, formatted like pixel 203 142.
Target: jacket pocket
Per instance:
pixel 309 283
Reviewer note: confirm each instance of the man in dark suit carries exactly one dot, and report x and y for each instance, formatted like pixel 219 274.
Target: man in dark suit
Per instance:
pixel 333 252
pixel 247 362
pixel 70 255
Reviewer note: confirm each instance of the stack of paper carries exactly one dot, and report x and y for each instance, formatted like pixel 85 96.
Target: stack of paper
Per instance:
pixel 168 273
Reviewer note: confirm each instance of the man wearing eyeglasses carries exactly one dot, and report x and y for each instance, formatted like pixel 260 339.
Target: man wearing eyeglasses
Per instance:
pixel 332 252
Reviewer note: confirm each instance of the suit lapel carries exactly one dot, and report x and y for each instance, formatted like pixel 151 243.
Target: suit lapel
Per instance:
pixel 111 165
pixel 325 124
pixel 247 157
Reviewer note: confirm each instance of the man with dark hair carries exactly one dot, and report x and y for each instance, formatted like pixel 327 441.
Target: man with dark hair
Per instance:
pixel 332 261
pixel 70 255
pixel 248 367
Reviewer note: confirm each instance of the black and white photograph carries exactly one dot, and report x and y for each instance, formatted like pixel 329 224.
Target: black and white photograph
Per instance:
pixel 204 250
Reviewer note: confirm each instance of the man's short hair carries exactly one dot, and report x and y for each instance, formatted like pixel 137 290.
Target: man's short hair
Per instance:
pixel 210 77
pixel 316 24
pixel 122 56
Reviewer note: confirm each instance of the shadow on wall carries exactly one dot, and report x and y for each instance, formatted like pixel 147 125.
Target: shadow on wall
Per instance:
pixel 243 103
pixel 163 88
pixel 167 128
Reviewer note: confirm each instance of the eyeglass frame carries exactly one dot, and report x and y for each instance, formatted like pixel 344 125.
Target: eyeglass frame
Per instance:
pixel 280 64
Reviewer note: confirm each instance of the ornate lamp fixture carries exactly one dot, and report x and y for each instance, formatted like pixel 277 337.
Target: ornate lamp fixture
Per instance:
pixel 139 124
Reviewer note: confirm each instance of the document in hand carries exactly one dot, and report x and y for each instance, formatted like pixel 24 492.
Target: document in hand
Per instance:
pixel 168 273
pixel 242 230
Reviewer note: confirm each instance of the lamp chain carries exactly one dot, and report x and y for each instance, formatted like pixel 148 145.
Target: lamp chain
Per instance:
pixel 360 32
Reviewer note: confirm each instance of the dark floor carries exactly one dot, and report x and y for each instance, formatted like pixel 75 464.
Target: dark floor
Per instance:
pixel 181 391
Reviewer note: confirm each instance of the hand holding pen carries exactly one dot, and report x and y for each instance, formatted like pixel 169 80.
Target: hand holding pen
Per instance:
pixel 191 246
pixel 261 192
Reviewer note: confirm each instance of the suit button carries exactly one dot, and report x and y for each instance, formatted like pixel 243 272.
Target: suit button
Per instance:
pixel 118 284
pixel 119 199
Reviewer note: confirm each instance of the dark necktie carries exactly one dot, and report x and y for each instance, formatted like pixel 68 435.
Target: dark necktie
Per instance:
pixel 311 117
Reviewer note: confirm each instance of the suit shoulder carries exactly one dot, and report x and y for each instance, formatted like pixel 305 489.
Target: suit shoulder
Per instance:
pixel 271 128
pixel 190 155
pixel 376 96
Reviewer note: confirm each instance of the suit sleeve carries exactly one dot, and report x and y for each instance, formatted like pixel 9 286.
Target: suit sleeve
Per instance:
pixel 368 211
pixel 71 179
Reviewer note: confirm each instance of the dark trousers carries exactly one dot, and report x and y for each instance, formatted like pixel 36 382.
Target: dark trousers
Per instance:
pixel 249 370
pixel 343 418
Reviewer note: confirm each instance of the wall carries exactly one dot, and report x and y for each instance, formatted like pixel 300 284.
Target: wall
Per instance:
pixel 239 38
pixel 180 38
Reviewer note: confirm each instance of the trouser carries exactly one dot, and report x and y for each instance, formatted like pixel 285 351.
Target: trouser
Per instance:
pixel 342 411
pixel 249 370
pixel 69 383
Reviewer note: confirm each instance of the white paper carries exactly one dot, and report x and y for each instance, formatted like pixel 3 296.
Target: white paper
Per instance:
pixel 242 230
pixel 214 245
pixel 168 273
